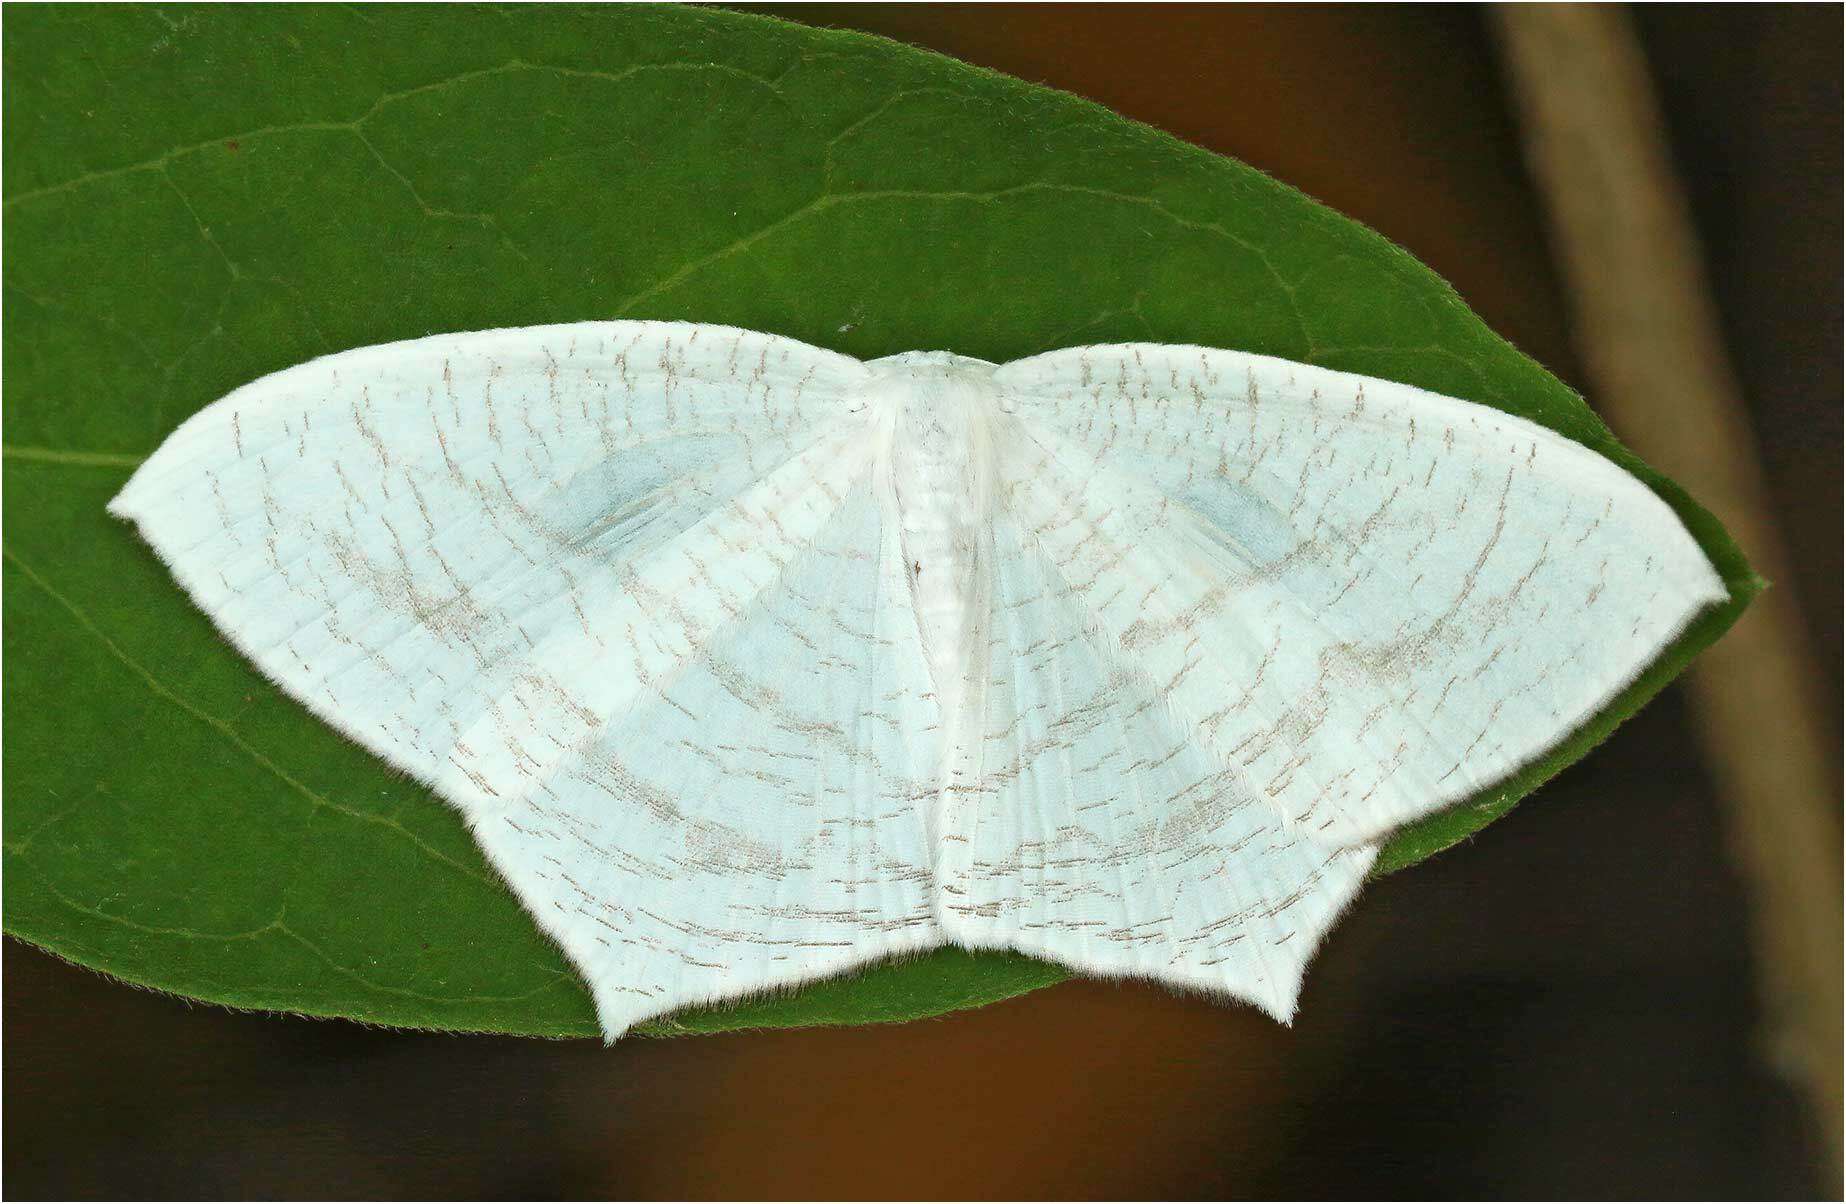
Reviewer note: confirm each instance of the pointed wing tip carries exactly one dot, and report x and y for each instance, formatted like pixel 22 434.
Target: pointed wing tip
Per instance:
pixel 1280 998
pixel 1715 592
pixel 122 504
pixel 616 1015
pixel 1281 1008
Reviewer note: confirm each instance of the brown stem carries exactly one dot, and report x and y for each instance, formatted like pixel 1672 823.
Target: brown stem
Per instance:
pixel 1650 337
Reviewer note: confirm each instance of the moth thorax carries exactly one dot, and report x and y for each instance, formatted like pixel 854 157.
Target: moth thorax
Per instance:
pixel 941 476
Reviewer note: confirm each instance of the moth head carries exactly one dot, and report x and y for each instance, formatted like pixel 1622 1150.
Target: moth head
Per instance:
pixel 931 383
pixel 921 364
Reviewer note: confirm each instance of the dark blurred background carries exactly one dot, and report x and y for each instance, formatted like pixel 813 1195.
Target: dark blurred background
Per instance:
pixel 1564 1006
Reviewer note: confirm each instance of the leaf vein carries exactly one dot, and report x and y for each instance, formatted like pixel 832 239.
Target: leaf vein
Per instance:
pixel 230 734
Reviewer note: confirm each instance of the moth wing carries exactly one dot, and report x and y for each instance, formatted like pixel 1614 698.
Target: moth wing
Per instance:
pixel 387 532
pixel 755 820
pixel 479 555
pixel 1102 835
pixel 1368 601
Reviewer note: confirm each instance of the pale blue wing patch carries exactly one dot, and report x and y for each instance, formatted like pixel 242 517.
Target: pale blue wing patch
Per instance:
pixel 756 818
pixel 1371 600
pixel 551 571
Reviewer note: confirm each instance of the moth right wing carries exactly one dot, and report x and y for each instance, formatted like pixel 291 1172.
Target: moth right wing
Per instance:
pixel 1368 601
pixel 1102 835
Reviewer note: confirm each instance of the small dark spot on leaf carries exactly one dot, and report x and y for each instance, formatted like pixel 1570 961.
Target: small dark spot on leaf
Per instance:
pixel 230 144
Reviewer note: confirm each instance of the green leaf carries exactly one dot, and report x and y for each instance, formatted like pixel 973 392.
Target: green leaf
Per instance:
pixel 195 200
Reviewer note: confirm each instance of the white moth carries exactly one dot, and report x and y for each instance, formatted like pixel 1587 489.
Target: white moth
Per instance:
pixel 748 662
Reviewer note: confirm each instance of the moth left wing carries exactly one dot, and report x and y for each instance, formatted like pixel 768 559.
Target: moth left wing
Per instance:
pixel 387 532
pixel 1367 601
pixel 621 592
pixel 755 820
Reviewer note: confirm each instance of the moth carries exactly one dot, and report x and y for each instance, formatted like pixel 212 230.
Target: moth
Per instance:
pixel 748 662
